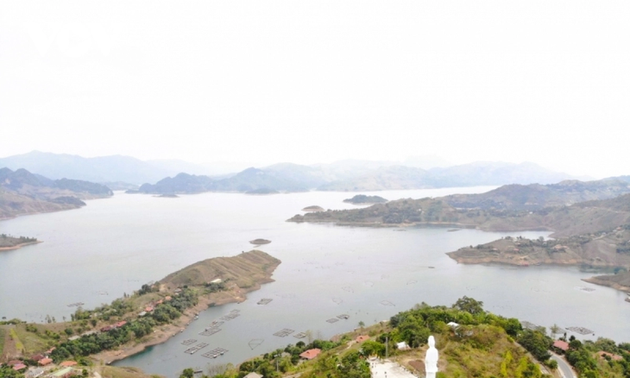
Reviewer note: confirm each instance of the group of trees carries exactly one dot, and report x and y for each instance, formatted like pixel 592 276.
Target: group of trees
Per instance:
pixel 583 357
pixel 133 329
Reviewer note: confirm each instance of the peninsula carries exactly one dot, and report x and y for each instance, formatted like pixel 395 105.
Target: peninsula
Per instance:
pixel 148 317
pixel 22 192
pixel 8 242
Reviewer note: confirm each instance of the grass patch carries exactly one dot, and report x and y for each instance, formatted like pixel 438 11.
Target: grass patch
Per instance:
pixel 18 343
pixel 30 342
pixel 123 372
pixel 3 335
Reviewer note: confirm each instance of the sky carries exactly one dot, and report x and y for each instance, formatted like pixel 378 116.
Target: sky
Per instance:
pixel 318 81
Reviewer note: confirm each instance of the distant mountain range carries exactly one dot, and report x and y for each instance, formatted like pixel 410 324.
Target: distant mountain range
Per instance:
pixel 104 169
pixel 295 178
pixel 22 192
pixel 172 176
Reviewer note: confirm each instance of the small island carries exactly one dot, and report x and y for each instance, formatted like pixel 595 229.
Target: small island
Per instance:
pixel 260 241
pixel 170 195
pixel 262 191
pixel 8 242
pixel 313 209
pixel 361 199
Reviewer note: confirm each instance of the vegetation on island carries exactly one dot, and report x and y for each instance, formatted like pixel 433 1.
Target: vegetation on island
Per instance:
pixel 363 199
pixel 8 241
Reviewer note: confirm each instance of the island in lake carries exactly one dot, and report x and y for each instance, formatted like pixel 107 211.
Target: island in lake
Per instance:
pixel 260 241
pixel 360 199
pixel 313 208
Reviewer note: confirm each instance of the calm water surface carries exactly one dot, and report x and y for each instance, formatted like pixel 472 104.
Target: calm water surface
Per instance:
pixel 95 254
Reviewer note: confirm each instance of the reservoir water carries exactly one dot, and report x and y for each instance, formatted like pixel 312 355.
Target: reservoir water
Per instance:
pixel 112 246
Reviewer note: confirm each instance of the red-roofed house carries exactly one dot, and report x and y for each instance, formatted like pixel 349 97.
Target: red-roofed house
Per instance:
pixel 148 309
pixel 68 363
pixel 45 361
pixel 310 354
pixel 14 362
pixel 19 367
pixel 120 324
pixel 561 345
pixel 37 357
pixel 362 338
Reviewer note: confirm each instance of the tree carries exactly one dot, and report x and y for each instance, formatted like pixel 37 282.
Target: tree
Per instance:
pixel 187 373
pixel 469 305
pixel 536 343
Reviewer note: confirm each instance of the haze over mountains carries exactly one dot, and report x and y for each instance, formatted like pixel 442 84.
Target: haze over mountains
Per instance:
pixel 172 176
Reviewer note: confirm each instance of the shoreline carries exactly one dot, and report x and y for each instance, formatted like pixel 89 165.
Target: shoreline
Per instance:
pixel 164 333
pixel 18 246
pixel 379 224
pixel 613 285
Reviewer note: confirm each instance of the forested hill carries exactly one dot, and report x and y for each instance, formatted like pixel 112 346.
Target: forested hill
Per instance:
pixel 509 208
pixel 22 192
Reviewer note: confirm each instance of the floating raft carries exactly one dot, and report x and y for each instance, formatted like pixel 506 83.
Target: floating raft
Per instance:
pixel 214 353
pixel 196 348
pixel 348 289
pixel 284 332
pixel 332 320
pixel 264 301
pixel 343 316
pixel 233 314
pixel 337 300
pixel 189 342
pixel 210 331
pixel 77 304
pixel 580 330
pixel 300 335
pixel 386 303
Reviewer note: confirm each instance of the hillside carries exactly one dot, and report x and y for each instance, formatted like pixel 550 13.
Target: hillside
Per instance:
pixel 22 192
pixel 602 249
pixel 508 208
pixel 246 270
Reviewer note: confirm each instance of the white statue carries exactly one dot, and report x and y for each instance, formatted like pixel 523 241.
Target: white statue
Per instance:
pixel 431 359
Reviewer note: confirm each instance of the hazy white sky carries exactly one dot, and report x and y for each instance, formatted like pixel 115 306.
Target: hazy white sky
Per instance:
pixel 317 81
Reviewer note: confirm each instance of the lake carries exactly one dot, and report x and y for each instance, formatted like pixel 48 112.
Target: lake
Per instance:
pixel 113 246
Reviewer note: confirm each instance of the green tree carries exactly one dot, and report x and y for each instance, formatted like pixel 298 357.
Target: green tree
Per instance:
pixel 469 305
